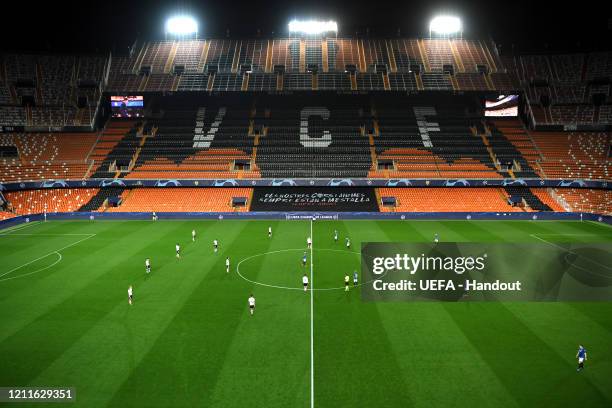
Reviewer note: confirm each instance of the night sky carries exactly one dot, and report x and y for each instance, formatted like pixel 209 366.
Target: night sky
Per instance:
pixel 103 26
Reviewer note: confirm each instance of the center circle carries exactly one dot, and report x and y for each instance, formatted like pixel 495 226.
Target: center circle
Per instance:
pixel 284 269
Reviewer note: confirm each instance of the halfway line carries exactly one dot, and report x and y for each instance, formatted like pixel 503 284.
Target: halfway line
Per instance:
pixel 311 320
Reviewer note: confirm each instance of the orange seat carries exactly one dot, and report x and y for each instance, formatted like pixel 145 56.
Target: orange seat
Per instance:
pixel 442 199
pixel 181 200
pixel 52 200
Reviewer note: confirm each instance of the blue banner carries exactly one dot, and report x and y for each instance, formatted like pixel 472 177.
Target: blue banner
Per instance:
pixel 354 182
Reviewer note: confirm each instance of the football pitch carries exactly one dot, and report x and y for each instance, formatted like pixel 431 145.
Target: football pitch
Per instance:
pixel 189 339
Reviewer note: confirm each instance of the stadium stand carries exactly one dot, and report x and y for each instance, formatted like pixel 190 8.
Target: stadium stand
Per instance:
pixel 208 142
pixel 280 132
pixel 5 215
pixel 47 156
pixel 217 64
pixel 429 143
pixel 50 90
pixel 181 199
pixel 448 199
pixel 12 116
pixel 315 153
pixel 574 155
pixel 588 201
pixel 562 89
pixel 52 200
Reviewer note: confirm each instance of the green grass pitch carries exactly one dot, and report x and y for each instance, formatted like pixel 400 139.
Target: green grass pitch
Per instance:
pixel 190 341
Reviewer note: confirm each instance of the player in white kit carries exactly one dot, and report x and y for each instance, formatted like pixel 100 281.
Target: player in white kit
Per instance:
pixel 193 235
pixel 148 265
pixel 130 295
pixel 305 282
pixel 227 264
pixel 309 242
pixel 252 304
pixel 216 245
pixel 269 232
pixel 178 251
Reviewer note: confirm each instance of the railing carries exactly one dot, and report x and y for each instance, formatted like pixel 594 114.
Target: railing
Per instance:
pixel 560 200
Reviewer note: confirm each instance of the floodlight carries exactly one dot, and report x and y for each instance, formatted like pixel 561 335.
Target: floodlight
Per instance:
pixel 445 25
pixel 181 25
pixel 312 27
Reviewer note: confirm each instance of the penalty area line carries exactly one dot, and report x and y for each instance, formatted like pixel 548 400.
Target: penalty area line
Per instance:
pixel 44 256
pixel 569 251
pixel 59 259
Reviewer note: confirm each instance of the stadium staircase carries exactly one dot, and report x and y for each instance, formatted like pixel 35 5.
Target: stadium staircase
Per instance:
pixel 111 136
pixel 116 148
pixel 514 131
pixel 98 201
pixel 531 199
pixel 505 151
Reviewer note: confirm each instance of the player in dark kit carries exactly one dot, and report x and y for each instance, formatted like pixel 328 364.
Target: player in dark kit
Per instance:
pixel 581 356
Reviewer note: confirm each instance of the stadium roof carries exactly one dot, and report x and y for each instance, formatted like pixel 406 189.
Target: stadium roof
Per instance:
pixel 102 26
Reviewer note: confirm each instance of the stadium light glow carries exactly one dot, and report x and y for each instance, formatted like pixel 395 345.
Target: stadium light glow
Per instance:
pixel 181 25
pixel 445 25
pixel 312 27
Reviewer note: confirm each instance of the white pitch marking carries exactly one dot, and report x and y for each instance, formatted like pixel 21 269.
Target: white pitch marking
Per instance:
pixel 22 226
pixel 36 271
pixel 311 320
pixel 44 235
pixel 44 256
pixel 288 287
pixel 573 253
